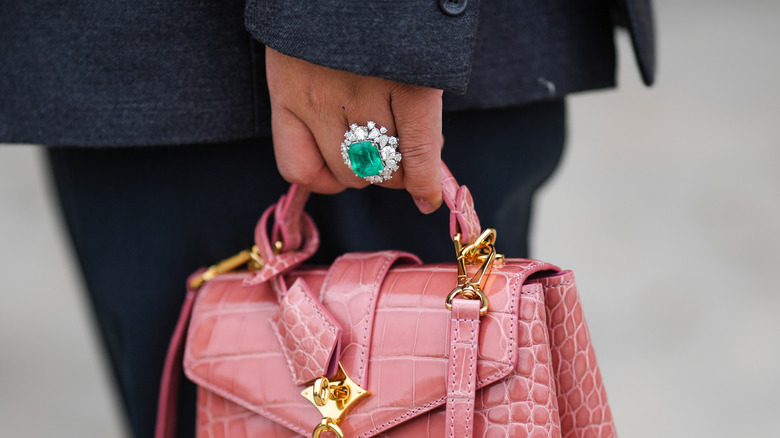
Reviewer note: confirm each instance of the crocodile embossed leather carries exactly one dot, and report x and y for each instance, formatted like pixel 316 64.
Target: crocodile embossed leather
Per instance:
pixel 252 344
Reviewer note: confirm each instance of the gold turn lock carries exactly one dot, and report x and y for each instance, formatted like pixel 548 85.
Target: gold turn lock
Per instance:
pixel 333 397
pixel 323 391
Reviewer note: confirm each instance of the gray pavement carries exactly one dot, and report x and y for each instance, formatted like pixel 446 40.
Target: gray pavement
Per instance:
pixel 667 206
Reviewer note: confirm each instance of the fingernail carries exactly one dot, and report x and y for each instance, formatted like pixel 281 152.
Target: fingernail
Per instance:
pixel 424 206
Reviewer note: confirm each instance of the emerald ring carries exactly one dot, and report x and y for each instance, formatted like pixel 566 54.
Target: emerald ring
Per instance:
pixel 370 152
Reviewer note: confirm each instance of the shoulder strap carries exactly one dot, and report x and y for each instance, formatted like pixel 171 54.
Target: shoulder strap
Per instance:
pixel 462 369
pixel 169 385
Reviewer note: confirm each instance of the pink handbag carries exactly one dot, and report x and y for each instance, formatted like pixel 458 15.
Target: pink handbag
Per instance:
pixel 378 344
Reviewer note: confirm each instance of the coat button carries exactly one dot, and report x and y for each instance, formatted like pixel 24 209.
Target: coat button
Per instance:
pixel 453 7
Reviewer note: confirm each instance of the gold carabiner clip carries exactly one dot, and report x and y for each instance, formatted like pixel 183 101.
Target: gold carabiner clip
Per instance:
pixel 482 251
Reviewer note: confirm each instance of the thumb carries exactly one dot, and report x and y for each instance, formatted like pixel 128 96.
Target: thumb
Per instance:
pixel 417 112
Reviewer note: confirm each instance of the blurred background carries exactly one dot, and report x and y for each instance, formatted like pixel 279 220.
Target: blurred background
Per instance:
pixel 667 206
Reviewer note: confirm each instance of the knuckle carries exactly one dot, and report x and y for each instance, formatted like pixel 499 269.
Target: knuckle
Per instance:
pixel 397 89
pixel 414 97
pixel 419 156
pixel 315 97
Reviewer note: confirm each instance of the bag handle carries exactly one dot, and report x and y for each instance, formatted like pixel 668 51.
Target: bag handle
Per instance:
pixel 289 222
pixel 294 236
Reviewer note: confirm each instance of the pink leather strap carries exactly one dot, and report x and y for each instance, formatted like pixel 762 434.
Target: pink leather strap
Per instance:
pixel 277 264
pixel 288 214
pixel 169 385
pixel 463 217
pixel 462 370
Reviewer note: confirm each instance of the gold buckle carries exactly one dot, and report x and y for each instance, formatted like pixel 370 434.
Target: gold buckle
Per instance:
pixel 482 251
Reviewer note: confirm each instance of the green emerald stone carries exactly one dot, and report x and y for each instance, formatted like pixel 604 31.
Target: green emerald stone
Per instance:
pixel 365 159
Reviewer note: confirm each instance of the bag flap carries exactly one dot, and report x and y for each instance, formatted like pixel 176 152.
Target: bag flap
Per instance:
pixel 232 350
pixel 310 337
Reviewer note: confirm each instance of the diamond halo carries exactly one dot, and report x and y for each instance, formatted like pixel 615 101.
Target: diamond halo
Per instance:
pixel 369 146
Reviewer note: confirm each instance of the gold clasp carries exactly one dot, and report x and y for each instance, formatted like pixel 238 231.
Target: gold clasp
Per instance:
pixel 482 251
pixel 250 257
pixel 333 397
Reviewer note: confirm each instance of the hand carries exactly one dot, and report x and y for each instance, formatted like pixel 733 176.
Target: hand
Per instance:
pixel 312 107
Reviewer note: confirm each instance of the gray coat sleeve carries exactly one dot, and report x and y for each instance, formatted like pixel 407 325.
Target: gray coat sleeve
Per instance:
pixel 410 41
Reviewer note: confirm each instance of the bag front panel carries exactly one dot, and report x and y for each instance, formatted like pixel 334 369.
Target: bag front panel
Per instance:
pixel 221 418
pixel 410 335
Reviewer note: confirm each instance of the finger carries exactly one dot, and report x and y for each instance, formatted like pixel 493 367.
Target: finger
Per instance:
pixel 297 155
pixel 396 180
pixel 418 112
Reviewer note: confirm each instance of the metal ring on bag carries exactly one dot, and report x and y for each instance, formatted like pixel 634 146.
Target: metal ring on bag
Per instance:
pixel 321 391
pixel 469 294
pixel 327 425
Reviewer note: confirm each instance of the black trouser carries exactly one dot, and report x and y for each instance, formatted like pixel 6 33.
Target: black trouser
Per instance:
pixel 142 219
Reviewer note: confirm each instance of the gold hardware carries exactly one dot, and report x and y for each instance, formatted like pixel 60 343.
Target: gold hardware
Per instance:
pixel 257 263
pixel 482 251
pixel 250 257
pixel 321 391
pixel 474 294
pixel 333 397
pixel 278 245
pixel 327 425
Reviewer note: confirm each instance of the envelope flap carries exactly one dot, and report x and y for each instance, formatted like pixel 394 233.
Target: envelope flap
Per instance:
pixel 232 350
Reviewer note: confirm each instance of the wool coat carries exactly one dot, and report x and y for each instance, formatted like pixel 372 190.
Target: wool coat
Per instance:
pixel 112 73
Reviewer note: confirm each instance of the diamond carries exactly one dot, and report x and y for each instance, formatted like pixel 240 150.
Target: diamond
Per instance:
pixel 387 153
pixel 383 130
pixel 361 133
pixel 373 134
pixel 371 125
pixel 393 141
pixel 383 140
pixel 365 159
